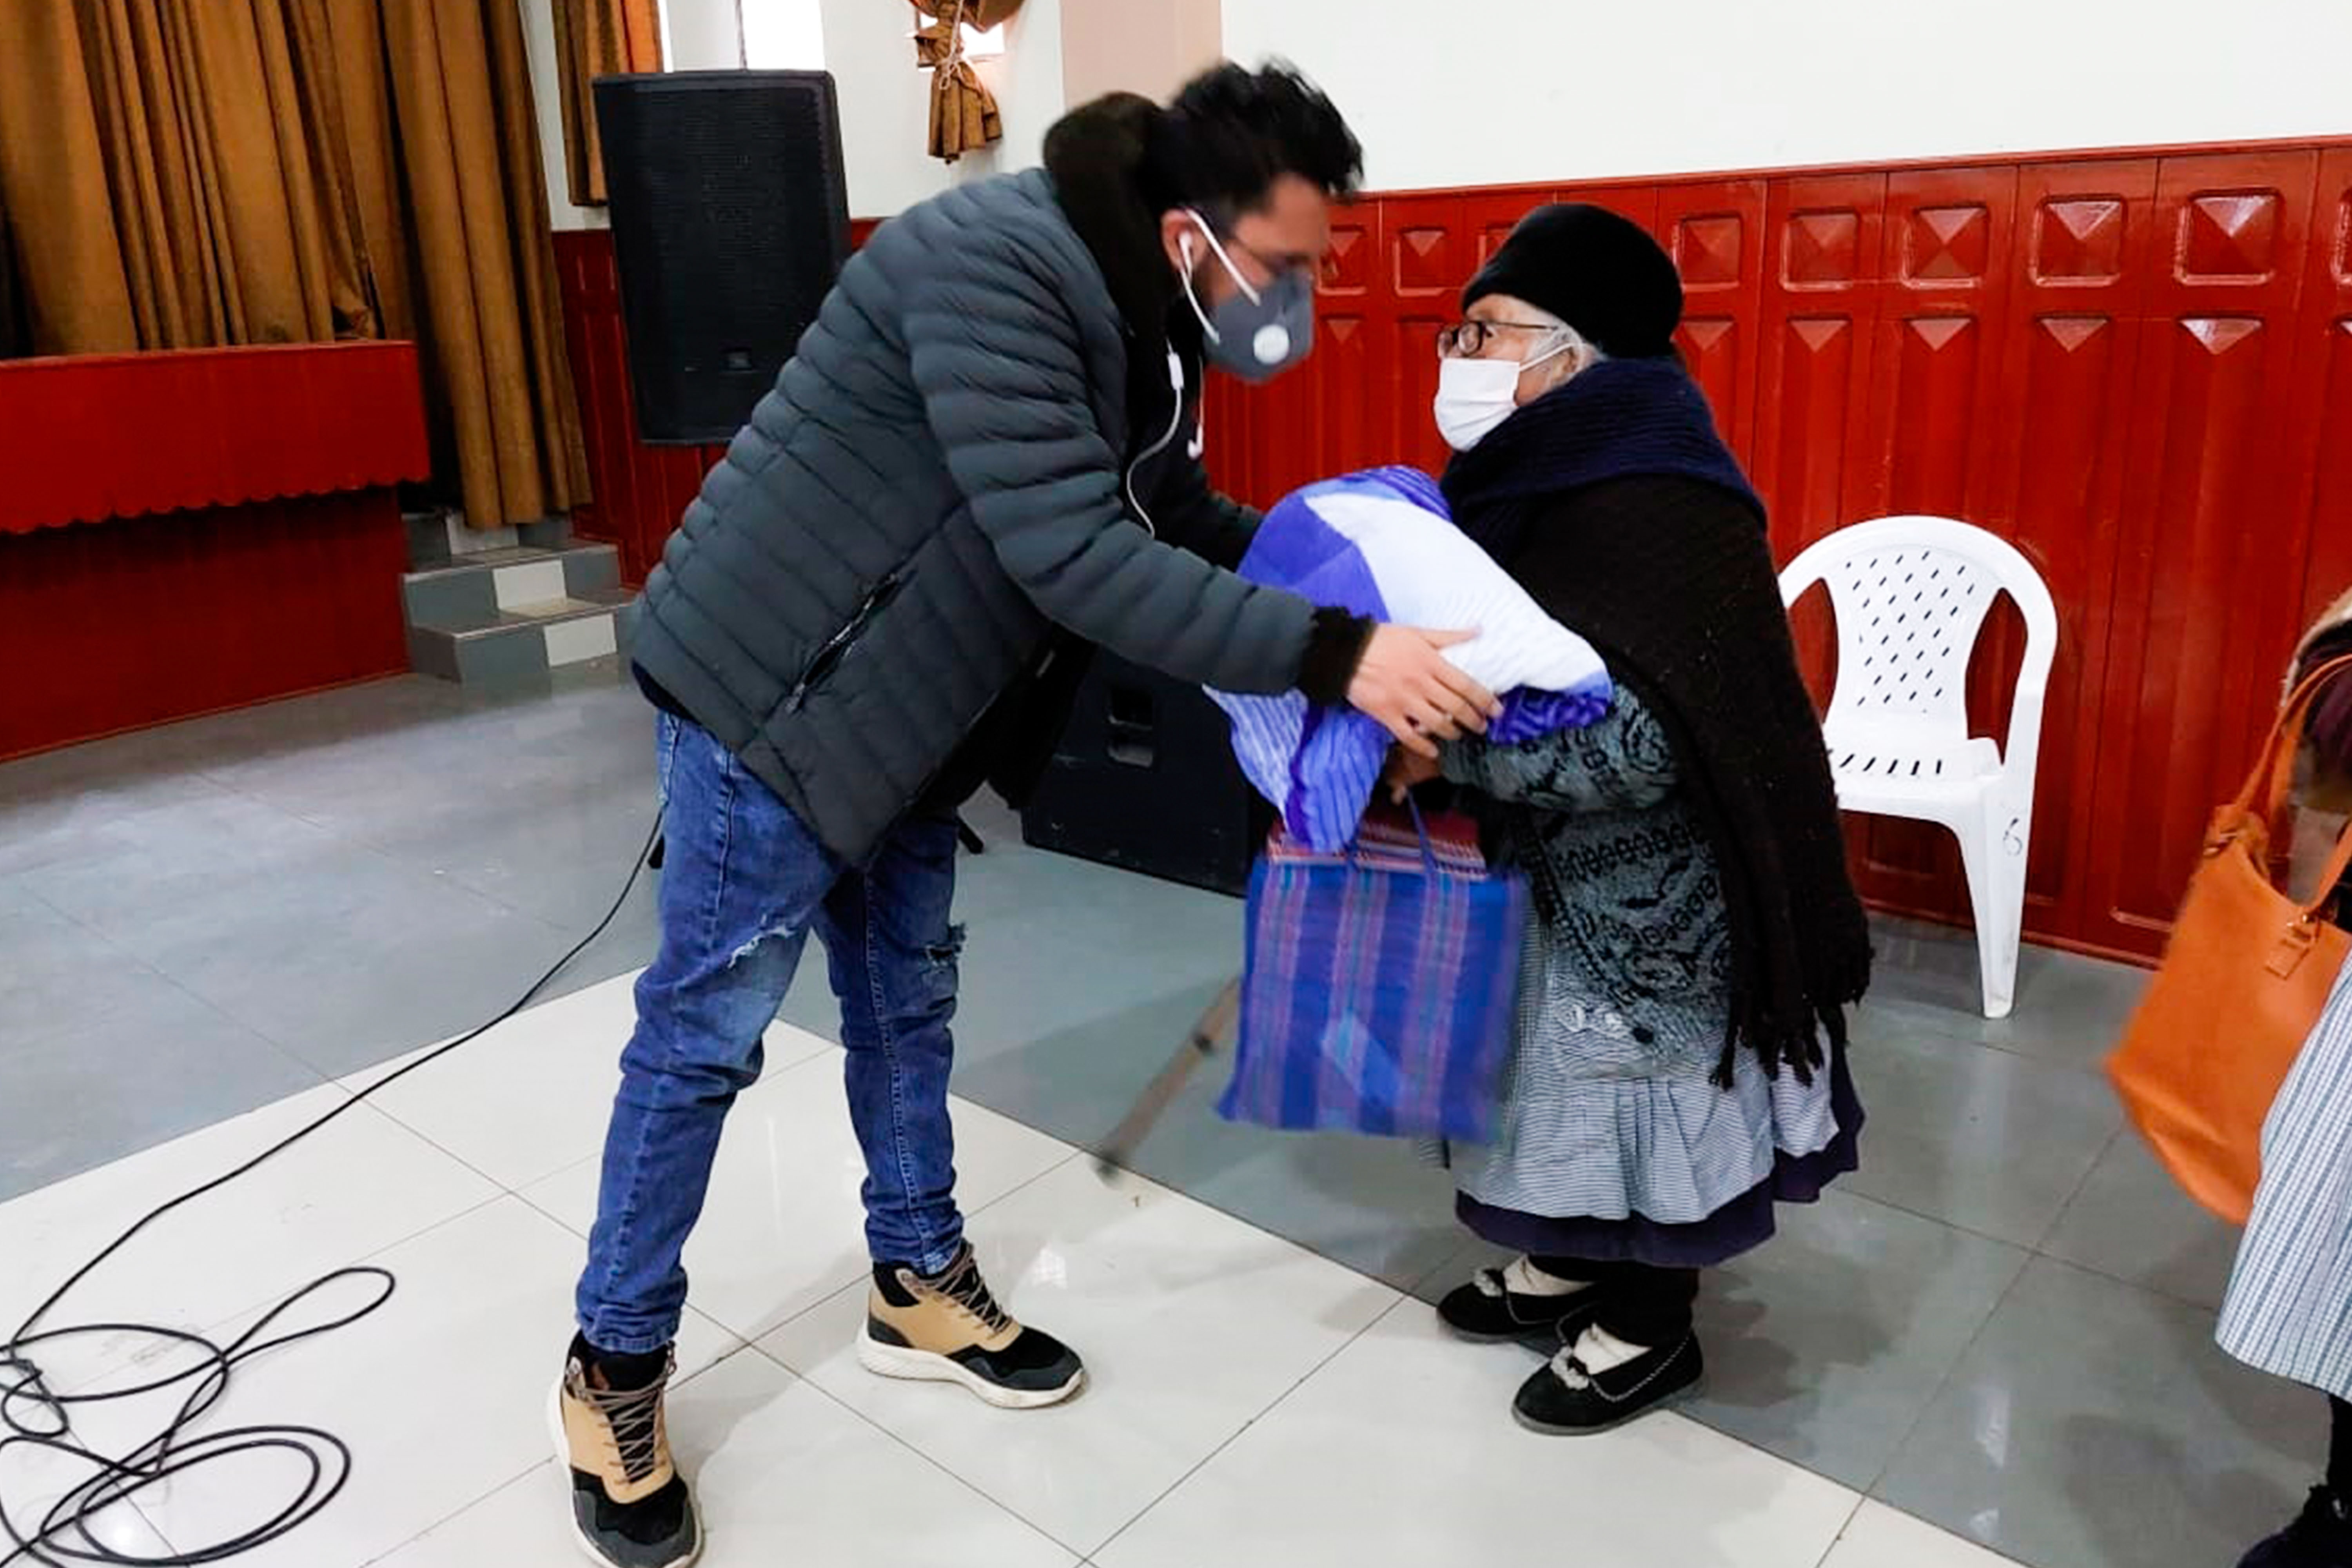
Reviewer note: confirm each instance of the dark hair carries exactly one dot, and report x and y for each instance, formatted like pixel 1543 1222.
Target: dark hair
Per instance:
pixel 1231 132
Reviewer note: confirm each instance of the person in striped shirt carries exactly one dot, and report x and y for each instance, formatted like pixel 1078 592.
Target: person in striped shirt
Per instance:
pixel 2262 1322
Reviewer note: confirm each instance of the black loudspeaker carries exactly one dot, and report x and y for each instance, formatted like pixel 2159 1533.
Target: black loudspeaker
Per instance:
pixel 730 217
pixel 1144 779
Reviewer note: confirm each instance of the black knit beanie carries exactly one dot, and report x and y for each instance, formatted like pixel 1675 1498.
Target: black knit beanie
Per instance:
pixel 1601 273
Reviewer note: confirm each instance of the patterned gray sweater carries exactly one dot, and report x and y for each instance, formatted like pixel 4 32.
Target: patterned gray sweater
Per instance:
pixel 1609 1108
pixel 1641 925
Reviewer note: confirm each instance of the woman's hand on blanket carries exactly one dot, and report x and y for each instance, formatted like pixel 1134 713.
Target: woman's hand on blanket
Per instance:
pixel 1407 683
pixel 1407 772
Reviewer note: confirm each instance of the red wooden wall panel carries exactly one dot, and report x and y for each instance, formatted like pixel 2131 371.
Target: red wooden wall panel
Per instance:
pixel 219 427
pixel 1714 231
pixel 1822 263
pixel 170 615
pixel 2197 628
pixel 2323 386
pixel 1931 439
pixel 2077 271
pixel 2137 368
pixel 1821 241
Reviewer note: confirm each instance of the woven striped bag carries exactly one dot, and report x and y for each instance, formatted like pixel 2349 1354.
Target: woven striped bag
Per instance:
pixel 1380 986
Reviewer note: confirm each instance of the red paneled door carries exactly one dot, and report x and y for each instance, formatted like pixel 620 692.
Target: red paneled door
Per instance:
pixel 1822 259
pixel 1929 441
pixel 1818 296
pixel 1432 246
pixel 1931 434
pixel 1714 231
pixel 2323 388
pixel 2083 248
pixel 2207 589
pixel 1491 215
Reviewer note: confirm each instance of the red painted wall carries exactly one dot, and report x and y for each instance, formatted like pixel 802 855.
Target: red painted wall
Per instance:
pixel 192 531
pixel 118 626
pixel 2138 368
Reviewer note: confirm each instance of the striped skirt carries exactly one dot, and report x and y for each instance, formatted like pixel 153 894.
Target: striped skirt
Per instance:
pixel 2289 1309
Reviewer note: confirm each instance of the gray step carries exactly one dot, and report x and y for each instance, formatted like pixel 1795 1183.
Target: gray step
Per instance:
pixel 439 536
pixel 527 640
pixel 471 594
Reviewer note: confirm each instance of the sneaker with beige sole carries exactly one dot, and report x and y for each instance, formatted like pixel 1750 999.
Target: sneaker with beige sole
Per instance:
pixel 948 1328
pixel 630 1507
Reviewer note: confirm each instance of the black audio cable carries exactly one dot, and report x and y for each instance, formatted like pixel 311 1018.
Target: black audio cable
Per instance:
pixel 35 1416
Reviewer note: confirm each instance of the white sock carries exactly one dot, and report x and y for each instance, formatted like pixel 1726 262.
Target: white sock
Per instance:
pixel 1522 1277
pixel 1599 1350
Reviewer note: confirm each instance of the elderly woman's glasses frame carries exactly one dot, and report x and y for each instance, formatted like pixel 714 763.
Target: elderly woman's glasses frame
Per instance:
pixel 1468 339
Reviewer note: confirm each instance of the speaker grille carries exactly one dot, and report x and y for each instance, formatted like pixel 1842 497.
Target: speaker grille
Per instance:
pixel 730 218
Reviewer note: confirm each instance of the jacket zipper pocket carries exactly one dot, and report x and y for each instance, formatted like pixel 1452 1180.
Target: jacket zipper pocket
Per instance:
pixel 837 647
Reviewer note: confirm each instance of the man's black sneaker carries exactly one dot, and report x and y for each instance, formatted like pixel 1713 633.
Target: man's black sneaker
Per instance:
pixel 948 1328
pixel 1521 1303
pixel 1566 1399
pixel 2321 1538
pixel 630 1507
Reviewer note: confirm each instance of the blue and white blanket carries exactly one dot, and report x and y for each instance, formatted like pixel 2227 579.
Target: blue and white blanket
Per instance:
pixel 1381 543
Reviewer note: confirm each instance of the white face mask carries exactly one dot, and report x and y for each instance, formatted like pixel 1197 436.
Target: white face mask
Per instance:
pixel 1475 395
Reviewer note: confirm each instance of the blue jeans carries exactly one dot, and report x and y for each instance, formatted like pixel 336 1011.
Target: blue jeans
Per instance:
pixel 743 884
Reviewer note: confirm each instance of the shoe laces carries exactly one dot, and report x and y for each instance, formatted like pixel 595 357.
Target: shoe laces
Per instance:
pixel 635 1416
pixel 963 1286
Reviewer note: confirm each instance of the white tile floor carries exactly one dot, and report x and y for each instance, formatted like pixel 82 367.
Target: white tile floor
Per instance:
pixel 1251 1403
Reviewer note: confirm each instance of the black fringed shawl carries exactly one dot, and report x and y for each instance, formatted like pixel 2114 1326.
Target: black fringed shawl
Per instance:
pixel 1614 502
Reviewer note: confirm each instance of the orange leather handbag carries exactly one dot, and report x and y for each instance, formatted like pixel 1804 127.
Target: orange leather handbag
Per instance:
pixel 2244 979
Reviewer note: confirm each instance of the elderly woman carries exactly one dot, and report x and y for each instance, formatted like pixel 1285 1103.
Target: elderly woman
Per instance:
pixel 1680 1065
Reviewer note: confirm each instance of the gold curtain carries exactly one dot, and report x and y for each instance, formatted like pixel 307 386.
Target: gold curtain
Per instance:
pixel 489 316
pixel 262 170
pixel 207 126
pixel 593 38
pixel 77 294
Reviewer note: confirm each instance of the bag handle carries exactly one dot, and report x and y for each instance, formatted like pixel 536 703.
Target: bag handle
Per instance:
pixel 2338 865
pixel 2273 774
pixel 2274 780
pixel 1428 849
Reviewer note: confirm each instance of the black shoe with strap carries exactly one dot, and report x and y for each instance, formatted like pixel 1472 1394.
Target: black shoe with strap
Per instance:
pixel 1520 1303
pixel 1567 1398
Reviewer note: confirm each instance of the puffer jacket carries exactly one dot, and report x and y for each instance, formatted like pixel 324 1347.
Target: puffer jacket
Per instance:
pixel 948 469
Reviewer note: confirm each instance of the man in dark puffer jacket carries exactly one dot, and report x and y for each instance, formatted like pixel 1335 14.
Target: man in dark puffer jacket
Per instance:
pixel 984 457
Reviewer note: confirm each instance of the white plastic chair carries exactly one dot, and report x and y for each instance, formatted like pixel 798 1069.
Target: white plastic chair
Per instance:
pixel 1911 594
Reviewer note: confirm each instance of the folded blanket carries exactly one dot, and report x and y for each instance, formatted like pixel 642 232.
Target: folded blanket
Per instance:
pixel 1381 543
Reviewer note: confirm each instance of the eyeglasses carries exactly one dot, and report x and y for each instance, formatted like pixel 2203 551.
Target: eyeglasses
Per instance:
pixel 1467 340
pixel 1274 270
